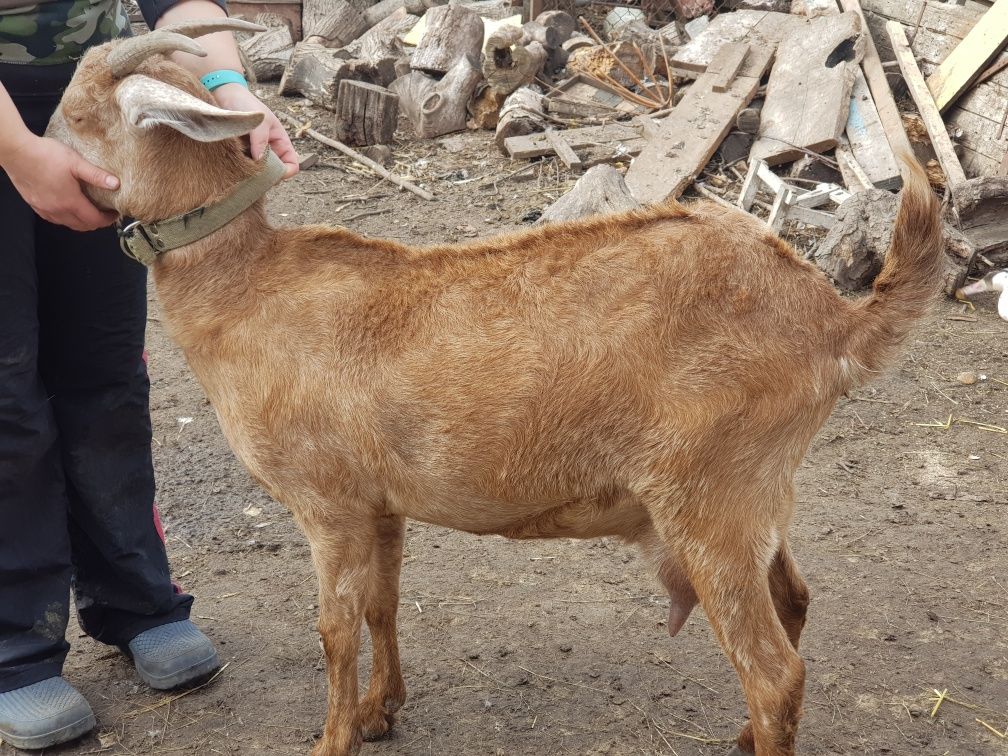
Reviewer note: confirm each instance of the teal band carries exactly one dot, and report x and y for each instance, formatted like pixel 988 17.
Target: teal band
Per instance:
pixel 216 79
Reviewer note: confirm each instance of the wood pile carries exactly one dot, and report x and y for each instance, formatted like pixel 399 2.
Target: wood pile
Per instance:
pixel 803 99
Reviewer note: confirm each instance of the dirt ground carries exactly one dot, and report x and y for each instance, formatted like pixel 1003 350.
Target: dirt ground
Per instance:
pixel 560 647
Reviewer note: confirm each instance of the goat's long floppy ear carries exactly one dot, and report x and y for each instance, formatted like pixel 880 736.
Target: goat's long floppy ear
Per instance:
pixel 146 103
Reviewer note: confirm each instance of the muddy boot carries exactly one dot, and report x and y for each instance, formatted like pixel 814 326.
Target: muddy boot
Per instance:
pixel 44 714
pixel 173 655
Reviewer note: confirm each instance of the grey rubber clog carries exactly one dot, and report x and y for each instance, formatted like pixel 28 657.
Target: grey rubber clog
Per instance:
pixel 173 655
pixel 44 714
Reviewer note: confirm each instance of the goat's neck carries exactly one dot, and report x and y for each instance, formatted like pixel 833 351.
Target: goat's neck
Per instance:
pixel 205 288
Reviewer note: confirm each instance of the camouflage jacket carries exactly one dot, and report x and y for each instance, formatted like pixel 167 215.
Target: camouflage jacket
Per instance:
pixel 50 32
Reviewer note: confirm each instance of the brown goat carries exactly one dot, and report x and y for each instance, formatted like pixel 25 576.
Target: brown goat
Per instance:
pixel 656 375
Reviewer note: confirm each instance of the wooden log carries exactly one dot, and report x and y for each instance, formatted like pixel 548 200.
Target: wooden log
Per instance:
pixel 970 57
pixel 382 10
pixel 316 72
pixel 576 42
pixel 289 10
pixel 809 92
pixel 496 10
pixel 453 33
pixel 600 191
pixel 332 23
pixel 365 114
pixel 382 39
pixel 878 85
pixel 650 41
pixel 687 140
pixel 269 52
pixel 598 62
pixel 507 63
pixel 438 107
pixel 484 107
pixel 522 113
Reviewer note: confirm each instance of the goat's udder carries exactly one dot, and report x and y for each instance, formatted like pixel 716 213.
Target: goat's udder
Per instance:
pixel 679 610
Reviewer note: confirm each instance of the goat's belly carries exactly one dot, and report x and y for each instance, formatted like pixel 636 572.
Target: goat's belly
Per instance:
pixel 592 518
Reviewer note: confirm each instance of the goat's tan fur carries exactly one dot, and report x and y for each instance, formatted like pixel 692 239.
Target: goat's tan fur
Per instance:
pixel 655 375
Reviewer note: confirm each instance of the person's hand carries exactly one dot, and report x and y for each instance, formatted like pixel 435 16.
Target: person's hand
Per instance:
pixel 47 175
pixel 270 131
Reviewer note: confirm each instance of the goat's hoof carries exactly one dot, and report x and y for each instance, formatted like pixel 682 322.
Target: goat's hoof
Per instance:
pixel 374 721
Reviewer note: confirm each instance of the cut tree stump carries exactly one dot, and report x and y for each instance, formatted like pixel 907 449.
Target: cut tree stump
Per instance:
pixel 269 52
pixel 599 192
pixel 438 107
pixel 365 114
pixel 521 114
pixel 809 92
pixel 453 33
pixel 507 63
pixel 691 133
pixel 332 23
pixel 316 72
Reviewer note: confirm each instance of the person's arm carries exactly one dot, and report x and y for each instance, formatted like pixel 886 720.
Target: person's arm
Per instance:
pixel 46 173
pixel 222 53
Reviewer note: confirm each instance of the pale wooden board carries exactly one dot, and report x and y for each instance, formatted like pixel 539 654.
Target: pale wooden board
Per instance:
pixel 904 11
pixel 867 138
pixel 879 87
pixel 980 134
pixel 925 105
pixel 757 28
pixel 727 73
pixel 691 133
pixel 614 134
pixel 971 56
pixel 807 103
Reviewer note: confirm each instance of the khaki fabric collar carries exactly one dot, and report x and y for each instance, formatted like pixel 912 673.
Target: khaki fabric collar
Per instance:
pixel 145 242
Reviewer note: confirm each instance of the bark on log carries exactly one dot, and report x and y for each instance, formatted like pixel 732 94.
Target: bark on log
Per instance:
pixel 365 114
pixel 495 9
pixel 453 33
pixel 438 107
pixel 521 114
pixel 316 72
pixel 269 52
pixel 507 63
pixel 382 10
pixel 382 39
pixel 599 192
pixel 419 7
pixel 332 23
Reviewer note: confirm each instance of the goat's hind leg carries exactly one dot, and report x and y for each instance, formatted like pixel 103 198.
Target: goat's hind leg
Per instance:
pixel 791 599
pixel 731 578
pixel 341 545
pixel 386 691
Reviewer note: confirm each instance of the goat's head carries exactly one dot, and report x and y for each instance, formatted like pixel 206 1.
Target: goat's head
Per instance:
pixel 146 119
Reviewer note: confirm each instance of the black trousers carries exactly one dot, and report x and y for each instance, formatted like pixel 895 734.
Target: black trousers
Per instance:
pixel 76 476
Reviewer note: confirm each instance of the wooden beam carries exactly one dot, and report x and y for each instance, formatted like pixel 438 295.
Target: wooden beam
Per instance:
pixel 968 60
pixel 730 68
pixel 940 140
pixel 563 150
pixel 691 133
pixel 879 87
pixel 627 135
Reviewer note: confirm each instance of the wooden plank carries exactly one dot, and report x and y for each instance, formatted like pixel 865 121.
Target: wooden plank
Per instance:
pixel 757 28
pixel 926 106
pixel 853 174
pixel 809 93
pixel 1003 168
pixel 905 11
pixel 691 133
pixel 563 150
pixel 615 134
pixel 971 56
pixel 729 69
pixel 879 87
pixel 867 138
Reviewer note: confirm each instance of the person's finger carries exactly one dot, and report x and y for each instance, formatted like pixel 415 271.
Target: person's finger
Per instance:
pixel 89 216
pixel 91 174
pixel 284 150
pixel 258 139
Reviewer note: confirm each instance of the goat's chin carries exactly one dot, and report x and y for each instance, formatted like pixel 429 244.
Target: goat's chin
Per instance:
pixel 103 199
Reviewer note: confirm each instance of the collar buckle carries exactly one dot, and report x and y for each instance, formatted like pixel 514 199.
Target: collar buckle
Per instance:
pixel 129 236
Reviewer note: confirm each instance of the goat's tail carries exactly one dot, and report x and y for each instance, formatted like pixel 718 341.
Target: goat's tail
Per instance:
pixel 908 283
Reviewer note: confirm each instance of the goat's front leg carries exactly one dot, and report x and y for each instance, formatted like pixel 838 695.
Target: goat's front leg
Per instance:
pixel 387 691
pixel 341 549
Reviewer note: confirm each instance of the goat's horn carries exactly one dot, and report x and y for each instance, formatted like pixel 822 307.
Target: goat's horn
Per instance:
pixel 199 27
pixel 130 53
